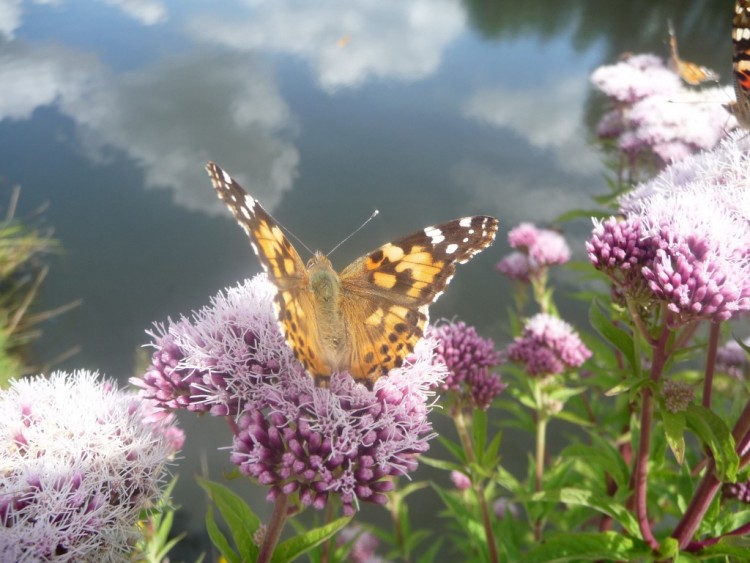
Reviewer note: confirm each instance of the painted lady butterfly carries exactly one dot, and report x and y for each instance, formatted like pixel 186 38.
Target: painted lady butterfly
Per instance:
pixel 368 318
pixel 691 73
pixel 741 63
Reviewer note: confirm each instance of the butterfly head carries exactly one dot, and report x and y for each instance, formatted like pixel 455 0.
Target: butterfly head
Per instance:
pixel 323 279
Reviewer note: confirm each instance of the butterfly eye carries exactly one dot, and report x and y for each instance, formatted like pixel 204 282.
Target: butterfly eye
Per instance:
pixel 310 263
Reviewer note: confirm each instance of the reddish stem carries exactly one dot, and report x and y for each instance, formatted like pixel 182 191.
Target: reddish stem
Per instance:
pixel 273 532
pixel 644 446
pixel 708 379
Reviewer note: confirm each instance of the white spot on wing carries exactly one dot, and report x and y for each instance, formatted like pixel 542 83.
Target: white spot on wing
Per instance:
pixel 436 235
pixel 227 177
pixel 249 202
pixel 465 222
pixel 451 248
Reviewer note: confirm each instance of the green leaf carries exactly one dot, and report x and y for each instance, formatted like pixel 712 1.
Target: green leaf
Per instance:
pixel 441 464
pixel 674 429
pixel 507 481
pixel 292 548
pixel 431 553
pixel 587 546
pixel 220 541
pixel 600 503
pixel 242 522
pixel 573 419
pixel 714 433
pixel 615 335
pixel 600 456
pixel 737 546
pixel 629 384
pixel 490 455
pixel 459 510
pixel 454 449
pixel 668 548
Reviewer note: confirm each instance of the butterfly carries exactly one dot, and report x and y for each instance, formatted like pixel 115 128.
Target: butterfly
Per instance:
pixel 741 63
pixel 366 319
pixel 691 73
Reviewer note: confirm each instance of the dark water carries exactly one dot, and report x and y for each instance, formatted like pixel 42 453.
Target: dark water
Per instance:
pixel 426 110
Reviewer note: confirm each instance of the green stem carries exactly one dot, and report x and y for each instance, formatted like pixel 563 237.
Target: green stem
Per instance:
pixel 462 427
pixel 541 438
pixel 275 526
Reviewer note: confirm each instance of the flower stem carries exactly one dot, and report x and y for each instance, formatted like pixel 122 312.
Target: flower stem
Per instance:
pixel 462 428
pixel 710 485
pixel 644 446
pixel 700 502
pixel 708 379
pixel 541 439
pixel 273 532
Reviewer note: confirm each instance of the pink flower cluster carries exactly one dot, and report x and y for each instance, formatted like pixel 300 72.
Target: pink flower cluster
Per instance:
pixel 685 236
pixel 548 346
pixel 654 115
pixel 231 359
pixel 469 358
pixel 536 250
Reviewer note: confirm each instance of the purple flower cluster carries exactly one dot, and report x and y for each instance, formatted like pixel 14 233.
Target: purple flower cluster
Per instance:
pixel 740 491
pixel 548 346
pixel 687 236
pixel 292 436
pixel 536 250
pixel 468 357
pixel 363 544
pixel 203 364
pixel 654 114
pixel 80 459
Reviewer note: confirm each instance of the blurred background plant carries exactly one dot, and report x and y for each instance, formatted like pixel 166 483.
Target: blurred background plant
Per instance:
pixel 25 246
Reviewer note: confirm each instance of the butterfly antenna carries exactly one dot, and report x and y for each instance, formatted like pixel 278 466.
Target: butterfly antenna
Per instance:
pixel 374 214
pixel 295 237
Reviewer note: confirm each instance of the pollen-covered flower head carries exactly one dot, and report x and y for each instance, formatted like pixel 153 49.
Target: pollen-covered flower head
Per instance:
pixel 469 358
pixel 618 248
pixel 292 436
pixel 696 216
pixel 548 346
pixel 80 459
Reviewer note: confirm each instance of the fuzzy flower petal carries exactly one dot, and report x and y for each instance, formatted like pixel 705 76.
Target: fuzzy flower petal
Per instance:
pixel 292 436
pixel 548 346
pixel 468 358
pixel 696 215
pixel 79 460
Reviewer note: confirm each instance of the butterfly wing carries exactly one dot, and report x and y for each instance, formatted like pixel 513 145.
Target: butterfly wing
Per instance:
pixel 386 293
pixel 295 308
pixel 276 254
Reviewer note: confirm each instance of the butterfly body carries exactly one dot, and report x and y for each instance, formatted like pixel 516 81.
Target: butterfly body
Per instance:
pixel 741 63
pixel 366 319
